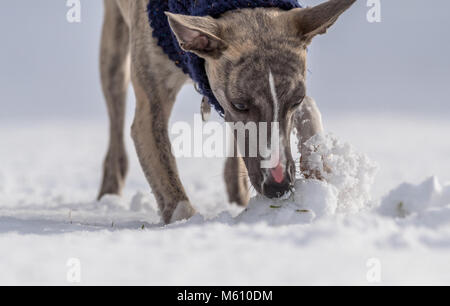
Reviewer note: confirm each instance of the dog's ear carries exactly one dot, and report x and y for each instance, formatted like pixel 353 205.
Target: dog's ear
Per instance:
pixel 199 35
pixel 316 20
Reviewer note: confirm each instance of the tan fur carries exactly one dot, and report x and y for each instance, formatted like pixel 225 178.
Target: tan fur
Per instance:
pixel 128 49
pixel 115 75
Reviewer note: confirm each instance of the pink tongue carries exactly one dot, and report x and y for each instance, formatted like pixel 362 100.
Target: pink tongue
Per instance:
pixel 277 173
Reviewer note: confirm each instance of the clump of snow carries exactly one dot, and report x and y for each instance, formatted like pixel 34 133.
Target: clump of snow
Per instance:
pixel 261 209
pixel 341 166
pixel 143 203
pixel 408 199
pixel 347 178
pixel 318 196
pixel 312 199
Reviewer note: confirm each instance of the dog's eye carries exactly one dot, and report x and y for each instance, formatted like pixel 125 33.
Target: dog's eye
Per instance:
pixel 240 107
pixel 295 105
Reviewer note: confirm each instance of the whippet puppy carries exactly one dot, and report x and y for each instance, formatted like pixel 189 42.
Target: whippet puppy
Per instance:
pixel 255 61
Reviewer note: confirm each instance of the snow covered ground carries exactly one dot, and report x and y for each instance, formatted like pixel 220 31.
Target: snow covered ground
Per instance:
pixel 358 228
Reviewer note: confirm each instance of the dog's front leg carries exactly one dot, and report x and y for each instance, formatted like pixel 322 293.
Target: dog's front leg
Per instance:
pixel 151 138
pixel 308 122
pixel 236 181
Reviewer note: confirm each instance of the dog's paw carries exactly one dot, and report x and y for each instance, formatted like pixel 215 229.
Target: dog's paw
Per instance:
pixel 183 211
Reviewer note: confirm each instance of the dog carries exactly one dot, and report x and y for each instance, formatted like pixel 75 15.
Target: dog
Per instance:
pixel 255 61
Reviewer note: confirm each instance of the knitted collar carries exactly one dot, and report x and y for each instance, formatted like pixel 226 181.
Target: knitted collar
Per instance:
pixel 190 63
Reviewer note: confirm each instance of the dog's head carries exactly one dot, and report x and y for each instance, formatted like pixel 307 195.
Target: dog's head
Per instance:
pixel 255 60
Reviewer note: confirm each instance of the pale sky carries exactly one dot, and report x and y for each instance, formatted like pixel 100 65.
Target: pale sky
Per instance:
pixel 49 67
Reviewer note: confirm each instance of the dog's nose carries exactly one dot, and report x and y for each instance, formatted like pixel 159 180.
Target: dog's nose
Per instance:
pixel 274 190
pixel 279 183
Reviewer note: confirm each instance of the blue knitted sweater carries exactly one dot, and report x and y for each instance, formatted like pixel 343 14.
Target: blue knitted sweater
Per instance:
pixel 190 63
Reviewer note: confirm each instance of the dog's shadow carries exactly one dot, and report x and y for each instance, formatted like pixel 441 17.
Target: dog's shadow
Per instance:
pixel 42 226
pixel 111 214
